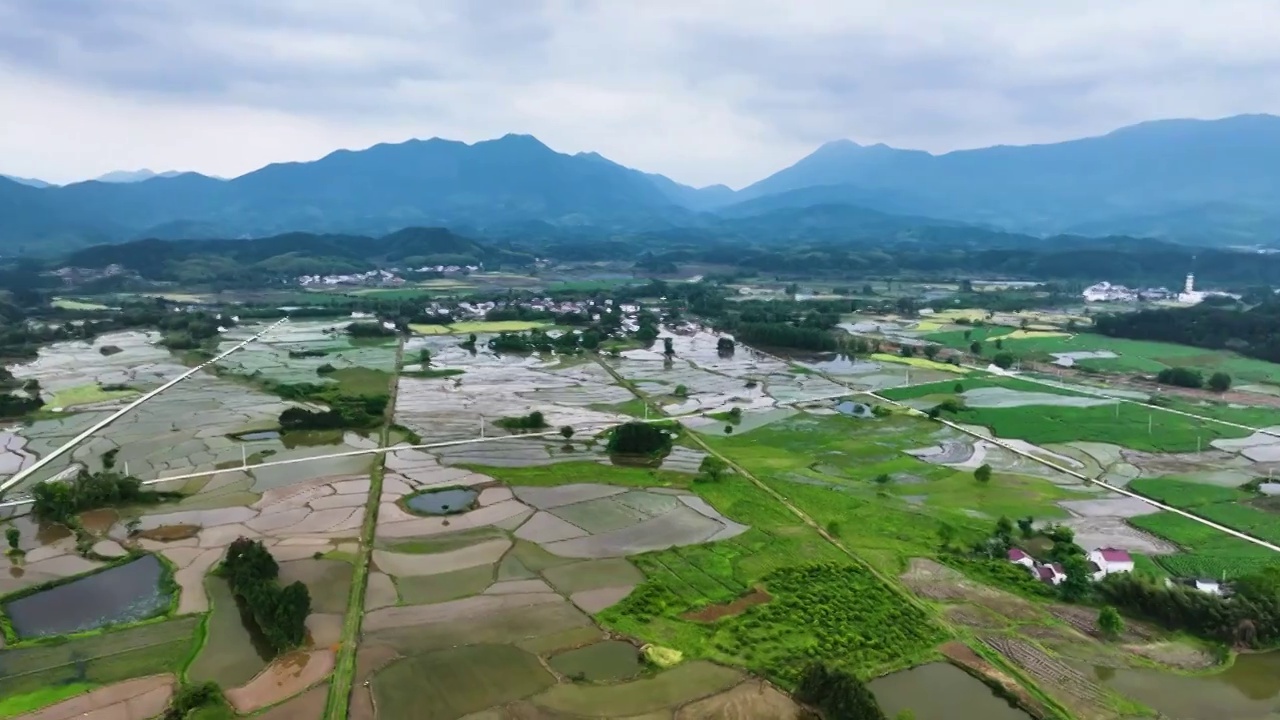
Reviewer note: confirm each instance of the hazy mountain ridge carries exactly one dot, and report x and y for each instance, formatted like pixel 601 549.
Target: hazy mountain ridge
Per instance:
pixel 1207 181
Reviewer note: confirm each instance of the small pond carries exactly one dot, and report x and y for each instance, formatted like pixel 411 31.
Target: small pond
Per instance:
pixel 608 661
pixel 941 691
pixel 125 593
pixel 1248 690
pixel 443 502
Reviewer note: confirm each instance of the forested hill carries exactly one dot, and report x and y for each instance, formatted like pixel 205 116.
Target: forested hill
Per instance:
pixel 293 254
pixel 1254 332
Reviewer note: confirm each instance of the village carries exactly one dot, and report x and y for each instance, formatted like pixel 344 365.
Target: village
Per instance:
pixel 1100 563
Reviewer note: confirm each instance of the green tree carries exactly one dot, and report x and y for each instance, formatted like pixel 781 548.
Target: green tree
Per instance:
pixel 999 344
pixel 882 479
pixel 1220 382
pixel 1003 360
pixel 907 351
pixel 983 473
pixel 931 351
pixel 712 468
pixel 975 347
pixel 424 357
pixel 566 431
pixel 13 536
pixel 1026 526
pixel 667 348
pixel 1076 585
pixel 1110 623
pixel 681 391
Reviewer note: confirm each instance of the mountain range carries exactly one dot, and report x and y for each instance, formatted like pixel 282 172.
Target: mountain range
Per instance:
pixel 1208 182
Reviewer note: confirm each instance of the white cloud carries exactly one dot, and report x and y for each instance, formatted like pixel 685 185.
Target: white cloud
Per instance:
pixel 703 90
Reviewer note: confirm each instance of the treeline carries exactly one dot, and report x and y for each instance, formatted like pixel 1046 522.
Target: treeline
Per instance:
pixel 781 335
pixel 62 501
pixel 1249 618
pixel 1248 332
pixel 23 329
pixel 279 612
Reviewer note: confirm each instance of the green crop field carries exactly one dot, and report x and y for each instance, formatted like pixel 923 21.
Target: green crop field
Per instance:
pixel 827 467
pixel 1134 356
pixel 1137 427
pixel 1185 494
pixel 20 704
pixel 584 472
pixel 1206 553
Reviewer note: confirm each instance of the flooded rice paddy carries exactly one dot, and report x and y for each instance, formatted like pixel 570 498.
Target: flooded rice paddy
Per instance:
pixel 442 502
pixel 124 593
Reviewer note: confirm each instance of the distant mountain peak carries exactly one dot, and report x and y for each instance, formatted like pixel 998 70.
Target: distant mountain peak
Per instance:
pixel 132 176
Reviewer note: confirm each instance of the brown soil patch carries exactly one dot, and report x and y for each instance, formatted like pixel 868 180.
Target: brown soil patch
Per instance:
pixel 975 617
pixel 307 706
pixel 751 700
pixel 170 533
pixel 934 581
pixel 285 677
pixel 964 656
pixel 1086 621
pixel 98 522
pixel 130 700
pixel 1175 654
pixel 711 613
pixel 1084 698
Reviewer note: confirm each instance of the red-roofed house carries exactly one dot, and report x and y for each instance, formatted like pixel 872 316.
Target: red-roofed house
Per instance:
pixel 1019 557
pixel 1111 560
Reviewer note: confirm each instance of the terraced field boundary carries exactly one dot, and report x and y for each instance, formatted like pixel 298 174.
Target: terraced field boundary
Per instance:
pixel 344 667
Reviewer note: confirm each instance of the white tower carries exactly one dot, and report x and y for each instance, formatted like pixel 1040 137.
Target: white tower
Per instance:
pixel 1190 287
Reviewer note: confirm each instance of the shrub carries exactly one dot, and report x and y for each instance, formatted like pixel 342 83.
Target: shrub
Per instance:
pixel 1220 382
pixel 1182 377
pixel 532 421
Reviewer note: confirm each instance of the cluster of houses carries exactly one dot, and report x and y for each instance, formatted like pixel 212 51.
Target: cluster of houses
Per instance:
pixel 1101 563
pixel 1106 292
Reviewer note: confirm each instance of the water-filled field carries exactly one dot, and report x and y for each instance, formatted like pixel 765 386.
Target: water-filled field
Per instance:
pixel 121 594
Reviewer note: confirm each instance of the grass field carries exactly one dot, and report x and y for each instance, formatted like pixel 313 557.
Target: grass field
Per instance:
pixel 44 697
pixel 1134 356
pixel 1029 335
pixel 70 304
pixel 97 659
pixel 584 472
pixel 86 395
pixel 361 381
pixel 827 467
pixel 924 363
pixel 479 326
pixel 667 689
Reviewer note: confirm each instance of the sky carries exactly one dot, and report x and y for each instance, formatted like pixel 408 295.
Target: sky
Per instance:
pixel 704 91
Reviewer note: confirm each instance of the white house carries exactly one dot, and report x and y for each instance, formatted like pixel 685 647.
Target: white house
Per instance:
pixel 1111 560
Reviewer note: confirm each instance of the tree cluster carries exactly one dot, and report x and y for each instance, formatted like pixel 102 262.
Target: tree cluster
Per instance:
pixel 638 438
pixel 62 501
pixel 279 612
pixel 1181 377
pixel 532 421
pixel 1249 618
pixel 370 330
pixel 837 694
pixel 1248 332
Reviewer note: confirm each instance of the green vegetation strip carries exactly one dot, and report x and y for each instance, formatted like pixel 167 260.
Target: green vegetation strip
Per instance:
pixel 44 697
pixel 345 666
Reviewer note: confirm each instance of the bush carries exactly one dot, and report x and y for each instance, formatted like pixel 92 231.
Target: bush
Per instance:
pixel 369 330
pixel 192 698
pixel 325 369
pixel 60 501
pixel 1182 377
pixel 1003 360
pixel 1220 382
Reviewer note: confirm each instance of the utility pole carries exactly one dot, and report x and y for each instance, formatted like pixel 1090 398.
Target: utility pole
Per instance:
pixel 482 426
pixel 1149 421
pixel 244 457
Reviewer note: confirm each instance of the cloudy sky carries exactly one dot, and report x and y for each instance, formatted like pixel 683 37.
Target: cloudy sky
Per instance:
pixel 704 91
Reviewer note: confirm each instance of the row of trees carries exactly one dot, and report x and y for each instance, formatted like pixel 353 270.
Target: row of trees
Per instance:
pixel 353 412
pixel 279 612
pixel 638 438
pixel 1192 378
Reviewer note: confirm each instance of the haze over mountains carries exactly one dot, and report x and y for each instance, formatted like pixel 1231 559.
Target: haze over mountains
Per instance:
pixel 1212 182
